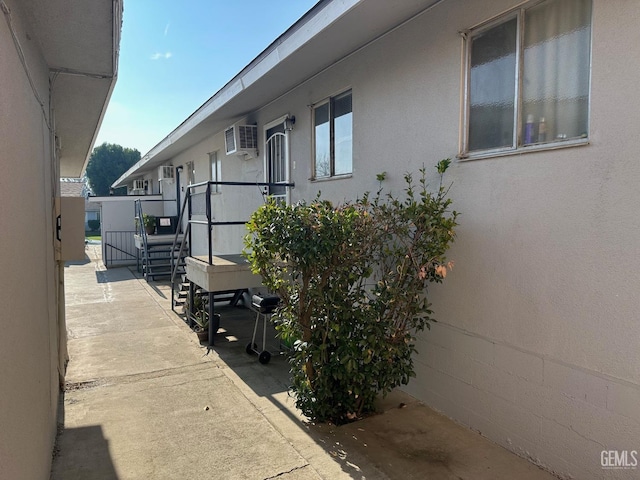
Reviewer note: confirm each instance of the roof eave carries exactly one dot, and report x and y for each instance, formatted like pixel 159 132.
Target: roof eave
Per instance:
pixel 80 44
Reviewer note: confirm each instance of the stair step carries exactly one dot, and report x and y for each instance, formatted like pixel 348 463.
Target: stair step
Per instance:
pixel 157 268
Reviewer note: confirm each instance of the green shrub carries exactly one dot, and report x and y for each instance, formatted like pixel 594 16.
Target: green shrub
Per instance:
pixel 353 281
pixel 94 225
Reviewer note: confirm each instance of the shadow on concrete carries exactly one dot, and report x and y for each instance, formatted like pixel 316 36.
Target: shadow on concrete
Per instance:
pixel 116 274
pixel 86 455
pixel 158 291
pixel 271 382
pixel 84 261
pixel 403 439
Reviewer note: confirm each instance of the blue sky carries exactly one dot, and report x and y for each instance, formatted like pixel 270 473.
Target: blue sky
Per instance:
pixel 175 55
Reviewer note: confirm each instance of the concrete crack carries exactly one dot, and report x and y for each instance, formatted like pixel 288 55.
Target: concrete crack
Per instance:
pixel 72 386
pixel 288 471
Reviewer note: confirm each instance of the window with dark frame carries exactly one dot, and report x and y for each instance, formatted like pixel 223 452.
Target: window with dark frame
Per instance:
pixel 528 76
pixel 333 136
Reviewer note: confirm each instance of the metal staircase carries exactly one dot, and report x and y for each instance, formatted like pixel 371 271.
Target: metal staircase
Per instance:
pixel 158 256
pixel 183 290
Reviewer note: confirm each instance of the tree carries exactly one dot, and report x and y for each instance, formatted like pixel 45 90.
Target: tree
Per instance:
pixel 107 163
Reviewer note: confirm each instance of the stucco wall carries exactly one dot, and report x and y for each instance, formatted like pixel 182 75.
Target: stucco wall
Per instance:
pixel 118 212
pixel 28 343
pixel 118 218
pixel 537 341
pixel 536 345
pixel 234 203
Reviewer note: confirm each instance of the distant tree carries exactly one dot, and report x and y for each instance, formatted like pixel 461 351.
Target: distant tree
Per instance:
pixel 94 225
pixel 106 164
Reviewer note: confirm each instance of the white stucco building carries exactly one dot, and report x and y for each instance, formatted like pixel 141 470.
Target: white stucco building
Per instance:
pixel 536 345
pixel 58 65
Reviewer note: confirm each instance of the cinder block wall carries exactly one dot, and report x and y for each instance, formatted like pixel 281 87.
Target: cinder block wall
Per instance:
pixel 557 415
pixel 536 344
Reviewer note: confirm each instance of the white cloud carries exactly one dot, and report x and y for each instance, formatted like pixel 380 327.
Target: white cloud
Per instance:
pixel 166 29
pixel 158 56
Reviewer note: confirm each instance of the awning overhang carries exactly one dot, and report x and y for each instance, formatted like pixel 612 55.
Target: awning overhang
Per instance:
pixel 80 41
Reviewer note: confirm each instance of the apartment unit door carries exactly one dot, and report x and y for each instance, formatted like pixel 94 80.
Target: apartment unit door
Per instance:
pixel 277 161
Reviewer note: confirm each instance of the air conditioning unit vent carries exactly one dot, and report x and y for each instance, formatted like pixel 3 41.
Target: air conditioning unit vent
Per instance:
pixel 241 140
pixel 138 185
pixel 166 172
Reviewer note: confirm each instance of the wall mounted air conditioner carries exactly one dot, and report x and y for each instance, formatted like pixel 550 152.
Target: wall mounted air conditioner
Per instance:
pixel 241 140
pixel 138 185
pixel 166 172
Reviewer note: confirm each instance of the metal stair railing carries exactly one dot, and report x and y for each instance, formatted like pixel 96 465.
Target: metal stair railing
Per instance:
pixel 139 217
pixel 185 242
pixel 210 224
pixel 147 259
pixel 120 241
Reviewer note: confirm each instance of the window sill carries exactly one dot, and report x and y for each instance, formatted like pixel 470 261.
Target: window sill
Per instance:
pixel 328 179
pixel 464 157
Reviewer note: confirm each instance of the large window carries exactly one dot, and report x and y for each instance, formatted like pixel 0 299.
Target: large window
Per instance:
pixel 528 78
pixel 333 136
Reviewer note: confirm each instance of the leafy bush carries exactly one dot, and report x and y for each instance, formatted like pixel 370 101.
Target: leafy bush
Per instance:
pixel 353 282
pixel 94 225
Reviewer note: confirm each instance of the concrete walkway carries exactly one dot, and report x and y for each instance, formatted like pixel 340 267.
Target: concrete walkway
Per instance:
pixel 144 401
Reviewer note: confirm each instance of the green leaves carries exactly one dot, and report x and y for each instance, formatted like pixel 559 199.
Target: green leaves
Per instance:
pixel 353 279
pixel 443 165
pixel 107 162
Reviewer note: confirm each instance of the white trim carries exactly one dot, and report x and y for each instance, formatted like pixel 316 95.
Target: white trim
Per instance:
pixel 523 150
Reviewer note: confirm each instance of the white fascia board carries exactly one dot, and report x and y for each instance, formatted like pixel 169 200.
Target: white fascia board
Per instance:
pixel 122 180
pixel 283 47
pixel 256 72
pixel 325 17
pixel 216 102
pixel 211 106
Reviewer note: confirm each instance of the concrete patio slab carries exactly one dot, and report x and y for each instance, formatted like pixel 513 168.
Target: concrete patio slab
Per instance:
pixel 114 317
pixel 145 400
pixel 188 423
pixel 129 353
